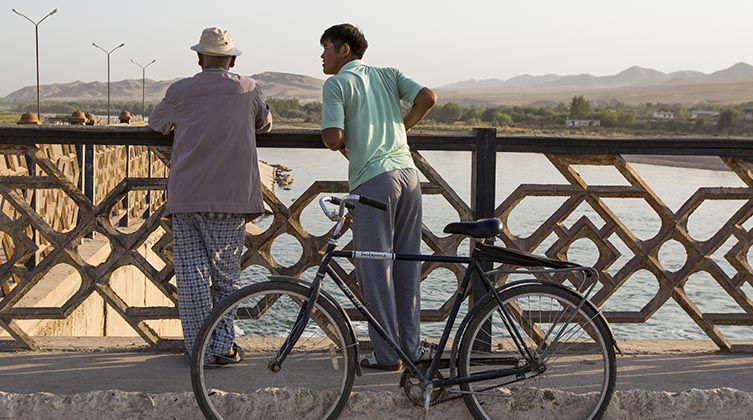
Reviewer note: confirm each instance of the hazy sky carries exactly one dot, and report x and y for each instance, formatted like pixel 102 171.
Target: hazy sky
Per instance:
pixel 436 42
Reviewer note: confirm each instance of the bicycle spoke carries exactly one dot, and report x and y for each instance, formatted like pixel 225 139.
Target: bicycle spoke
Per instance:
pixel 315 378
pixel 571 348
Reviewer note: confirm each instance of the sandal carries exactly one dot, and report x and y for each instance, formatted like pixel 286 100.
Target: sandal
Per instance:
pixel 235 356
pixel 370 361
pixel 207 364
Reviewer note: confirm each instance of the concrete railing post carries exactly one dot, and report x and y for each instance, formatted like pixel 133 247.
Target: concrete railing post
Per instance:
pixel 483 174
pixel 123 222
pixel 89 170
pixel 31 195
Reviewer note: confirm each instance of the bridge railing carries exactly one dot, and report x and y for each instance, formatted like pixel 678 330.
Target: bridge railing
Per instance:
pixel 60 185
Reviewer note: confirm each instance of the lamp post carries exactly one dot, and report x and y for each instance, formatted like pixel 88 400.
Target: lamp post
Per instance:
pixel 36 35
pixel 143 84
pixel 108 76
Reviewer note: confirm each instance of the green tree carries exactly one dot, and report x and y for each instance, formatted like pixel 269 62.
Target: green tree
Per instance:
pixel 727 120
pixel 496 115
pixel 449 113
pixel 626 119
pixel 503 118
pixel 312 108
pixel 579 107
pixel 472 113
pixel 285 107
pixel 700 125
pixel 608 118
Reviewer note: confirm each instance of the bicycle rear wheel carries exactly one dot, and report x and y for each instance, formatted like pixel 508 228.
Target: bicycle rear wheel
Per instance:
pixel 315 379
pixel 573 347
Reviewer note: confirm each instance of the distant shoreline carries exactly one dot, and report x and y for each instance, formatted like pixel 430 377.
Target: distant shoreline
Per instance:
pixel 712 163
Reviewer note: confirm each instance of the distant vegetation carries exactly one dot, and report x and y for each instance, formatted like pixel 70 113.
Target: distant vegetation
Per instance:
pixel 98 107
pixel 291 110
pixel 9 118
pixel 614 117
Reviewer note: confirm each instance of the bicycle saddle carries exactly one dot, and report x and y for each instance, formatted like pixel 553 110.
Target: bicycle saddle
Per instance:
pixel 483 228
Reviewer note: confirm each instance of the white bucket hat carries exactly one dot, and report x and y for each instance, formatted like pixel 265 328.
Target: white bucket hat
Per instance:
pixel 216 42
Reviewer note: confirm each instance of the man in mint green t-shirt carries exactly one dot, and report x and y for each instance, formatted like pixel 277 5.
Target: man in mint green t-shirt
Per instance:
pixel 361 114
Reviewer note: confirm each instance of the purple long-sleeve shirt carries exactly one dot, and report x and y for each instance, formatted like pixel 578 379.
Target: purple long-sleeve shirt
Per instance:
pixel 214 165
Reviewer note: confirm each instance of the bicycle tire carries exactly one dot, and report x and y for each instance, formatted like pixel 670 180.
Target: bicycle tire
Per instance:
pixel 314 381
pixel 580 367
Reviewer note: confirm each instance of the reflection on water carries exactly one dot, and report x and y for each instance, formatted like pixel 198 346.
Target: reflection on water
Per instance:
pixel 674 186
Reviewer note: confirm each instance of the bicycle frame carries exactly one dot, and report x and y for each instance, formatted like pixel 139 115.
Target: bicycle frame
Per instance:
pixel 517 373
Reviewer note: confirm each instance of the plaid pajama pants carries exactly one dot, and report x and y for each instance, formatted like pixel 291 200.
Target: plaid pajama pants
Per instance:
pixel 207 246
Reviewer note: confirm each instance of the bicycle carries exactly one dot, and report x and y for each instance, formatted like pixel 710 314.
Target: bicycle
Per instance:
pixel 526 340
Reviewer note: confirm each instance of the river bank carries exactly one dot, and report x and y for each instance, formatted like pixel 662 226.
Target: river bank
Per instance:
pixel 694 162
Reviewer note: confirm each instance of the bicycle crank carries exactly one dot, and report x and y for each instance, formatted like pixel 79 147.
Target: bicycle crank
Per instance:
pixel 415 392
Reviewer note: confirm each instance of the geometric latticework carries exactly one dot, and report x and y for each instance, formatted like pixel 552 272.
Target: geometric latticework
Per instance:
pixel 45 214
pixel 44 218
pixel 645 253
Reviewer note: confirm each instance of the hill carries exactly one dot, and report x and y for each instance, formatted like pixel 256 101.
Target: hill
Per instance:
pixel 688 94
pixel 275 85
pixel 633 76
pixel 633 85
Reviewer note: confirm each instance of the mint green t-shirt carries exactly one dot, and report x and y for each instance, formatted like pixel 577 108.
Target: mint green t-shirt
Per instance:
pixel 364 101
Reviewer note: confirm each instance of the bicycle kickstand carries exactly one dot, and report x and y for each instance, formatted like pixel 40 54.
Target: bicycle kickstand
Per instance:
pixel 427 400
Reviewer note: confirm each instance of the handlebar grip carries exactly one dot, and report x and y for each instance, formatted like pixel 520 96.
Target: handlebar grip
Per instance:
pixel 336 201
pixel 372 203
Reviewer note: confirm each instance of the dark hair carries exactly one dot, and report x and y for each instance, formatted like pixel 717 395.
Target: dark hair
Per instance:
pixel 345 33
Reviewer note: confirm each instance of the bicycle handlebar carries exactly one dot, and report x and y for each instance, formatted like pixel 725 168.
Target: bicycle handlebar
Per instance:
pixel 348 201
pixel 336 201
pixel 363 200
pixel 372 202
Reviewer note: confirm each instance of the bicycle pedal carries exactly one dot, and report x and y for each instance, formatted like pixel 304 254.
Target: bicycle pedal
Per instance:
pixel 429 345
pixel 427 350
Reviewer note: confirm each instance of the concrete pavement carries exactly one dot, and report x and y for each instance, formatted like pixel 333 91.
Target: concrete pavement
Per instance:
pixel 664 367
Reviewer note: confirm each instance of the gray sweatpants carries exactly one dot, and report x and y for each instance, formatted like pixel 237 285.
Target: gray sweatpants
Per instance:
pixel 391 289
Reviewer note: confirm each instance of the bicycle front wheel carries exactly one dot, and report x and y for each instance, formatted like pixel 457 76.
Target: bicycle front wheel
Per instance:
pixel 313 382
pixel 573 372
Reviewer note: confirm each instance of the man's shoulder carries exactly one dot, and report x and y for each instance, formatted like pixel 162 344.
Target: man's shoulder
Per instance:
pixel 337 80
pixel 248 82
pixel 369 71
pixel 200 80
pixel 392 71
pixel 182 83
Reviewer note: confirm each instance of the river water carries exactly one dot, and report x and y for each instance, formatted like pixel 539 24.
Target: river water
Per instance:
pixel 673 185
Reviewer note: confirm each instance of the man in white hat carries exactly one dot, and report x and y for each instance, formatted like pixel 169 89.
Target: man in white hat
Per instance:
pixel 214 186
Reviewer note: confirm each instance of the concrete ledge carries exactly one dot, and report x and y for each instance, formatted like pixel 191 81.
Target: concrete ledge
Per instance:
pixel 694 404
pixel 691 382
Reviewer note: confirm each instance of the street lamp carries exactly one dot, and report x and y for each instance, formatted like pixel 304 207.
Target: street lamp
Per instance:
pixel 143 89
pixel 108 76
pixel 36 34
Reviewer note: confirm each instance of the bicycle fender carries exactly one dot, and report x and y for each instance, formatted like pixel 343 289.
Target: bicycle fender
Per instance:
pixel 331 301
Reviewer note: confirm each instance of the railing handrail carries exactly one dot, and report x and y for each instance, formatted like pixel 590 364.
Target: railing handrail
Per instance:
pixel 461 141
